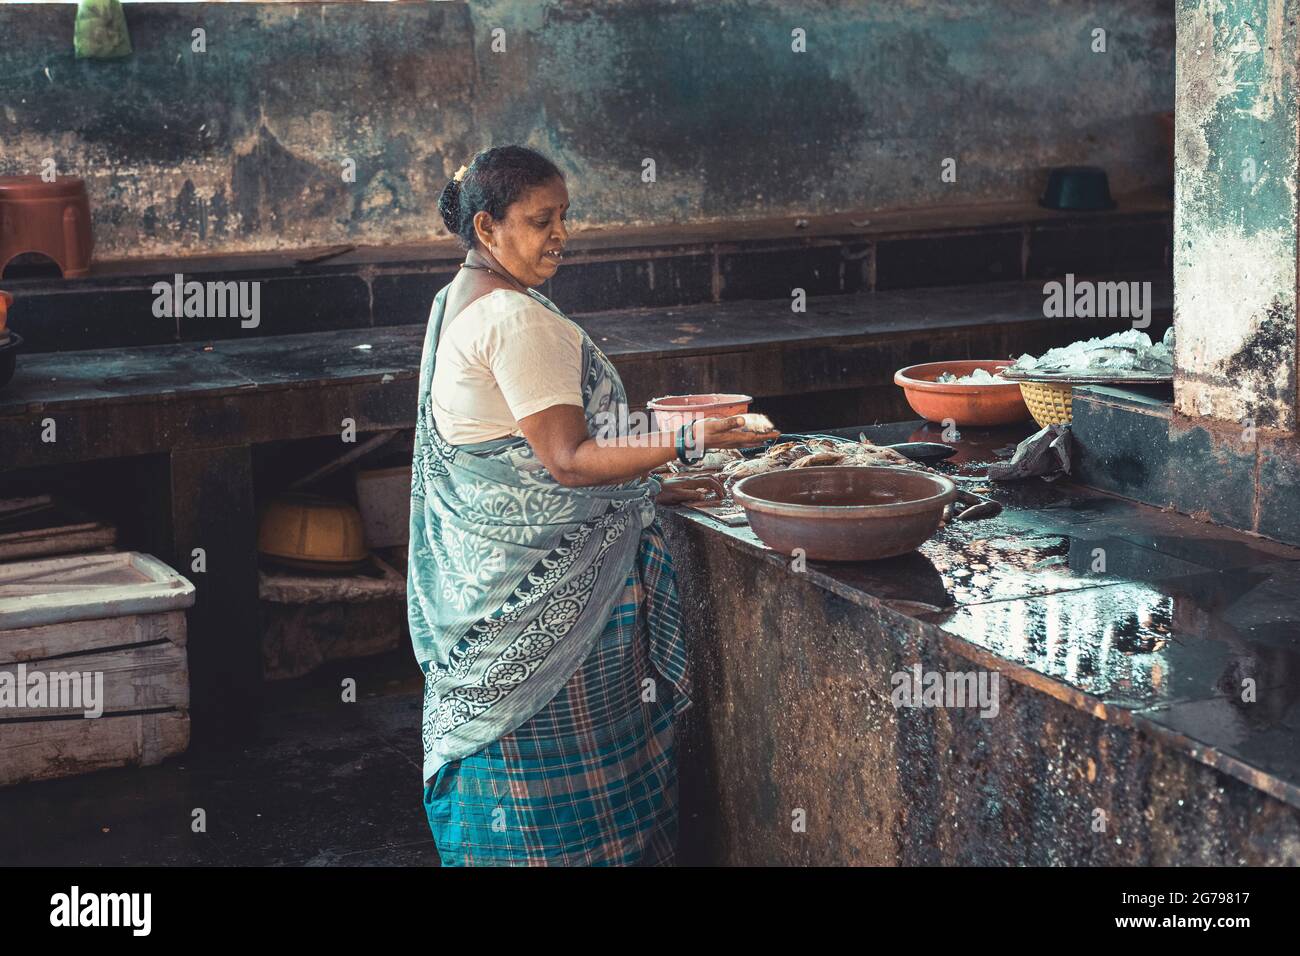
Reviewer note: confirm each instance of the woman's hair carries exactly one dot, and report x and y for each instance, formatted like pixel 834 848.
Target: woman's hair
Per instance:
pixel 495 178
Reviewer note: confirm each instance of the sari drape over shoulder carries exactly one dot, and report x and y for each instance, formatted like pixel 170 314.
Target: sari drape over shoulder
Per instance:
pixel 512 576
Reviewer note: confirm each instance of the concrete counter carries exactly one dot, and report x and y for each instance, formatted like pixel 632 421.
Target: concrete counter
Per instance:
pixel 1123 641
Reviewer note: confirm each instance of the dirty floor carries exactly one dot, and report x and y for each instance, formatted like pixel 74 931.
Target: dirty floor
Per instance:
pixel 326 783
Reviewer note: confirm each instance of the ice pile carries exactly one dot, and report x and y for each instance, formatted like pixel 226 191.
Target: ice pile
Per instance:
pixel 977 377
pixel 1125 351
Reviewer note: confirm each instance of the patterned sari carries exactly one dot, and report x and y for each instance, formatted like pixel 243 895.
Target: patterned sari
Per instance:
pixel 542 617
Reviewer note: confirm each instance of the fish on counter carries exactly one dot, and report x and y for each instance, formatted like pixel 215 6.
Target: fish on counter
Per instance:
pixel 816 452
pixel 757 423
pixel 810 453
pixel 730 466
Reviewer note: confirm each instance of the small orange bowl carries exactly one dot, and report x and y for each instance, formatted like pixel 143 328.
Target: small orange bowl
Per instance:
pixel 963 404
pixel 673 411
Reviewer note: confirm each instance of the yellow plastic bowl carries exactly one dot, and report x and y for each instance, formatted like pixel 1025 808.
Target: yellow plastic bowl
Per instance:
pixel 1049 403
pixel 312 532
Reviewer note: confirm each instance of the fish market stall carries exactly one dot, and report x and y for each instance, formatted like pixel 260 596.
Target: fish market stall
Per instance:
pixel 1093 645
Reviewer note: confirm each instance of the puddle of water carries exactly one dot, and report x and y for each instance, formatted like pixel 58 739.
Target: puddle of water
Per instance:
pixel 1139 644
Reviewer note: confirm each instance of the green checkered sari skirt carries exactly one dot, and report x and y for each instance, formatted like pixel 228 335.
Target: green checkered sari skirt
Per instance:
pixel 591 779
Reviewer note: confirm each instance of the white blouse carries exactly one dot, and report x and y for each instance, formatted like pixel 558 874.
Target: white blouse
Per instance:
pixel 505 356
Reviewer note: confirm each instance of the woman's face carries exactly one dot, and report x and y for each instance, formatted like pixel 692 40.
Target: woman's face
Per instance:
pixel 528 241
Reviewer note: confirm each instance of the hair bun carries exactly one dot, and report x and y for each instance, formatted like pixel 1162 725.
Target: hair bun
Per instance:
pixel 449 206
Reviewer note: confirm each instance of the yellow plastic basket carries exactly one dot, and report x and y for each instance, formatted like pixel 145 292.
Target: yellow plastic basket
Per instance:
pixel 1048 402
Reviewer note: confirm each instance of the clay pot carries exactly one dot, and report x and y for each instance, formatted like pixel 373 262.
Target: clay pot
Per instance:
pixel 975 405
pixel 844 513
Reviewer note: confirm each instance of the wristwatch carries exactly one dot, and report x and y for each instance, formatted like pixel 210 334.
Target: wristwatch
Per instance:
pixel 687 453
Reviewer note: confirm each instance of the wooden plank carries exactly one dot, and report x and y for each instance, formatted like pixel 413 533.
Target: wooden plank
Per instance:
pixel 320 255
pixel 148 677
pixel 41 526
pixel 81 637
pixel 342 461
pixel 16 507
pixel 50 541
pixel 45 750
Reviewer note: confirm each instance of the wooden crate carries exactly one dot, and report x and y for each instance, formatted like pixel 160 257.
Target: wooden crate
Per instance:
pixel 120 616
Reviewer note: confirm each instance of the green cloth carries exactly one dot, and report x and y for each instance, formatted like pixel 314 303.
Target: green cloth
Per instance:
pixel 100 32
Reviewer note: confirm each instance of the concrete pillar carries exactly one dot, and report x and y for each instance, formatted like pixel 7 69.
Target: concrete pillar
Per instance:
pixel 1235 211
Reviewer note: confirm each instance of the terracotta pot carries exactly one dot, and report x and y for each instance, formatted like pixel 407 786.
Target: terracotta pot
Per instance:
pixel 976 405
pixel 844 513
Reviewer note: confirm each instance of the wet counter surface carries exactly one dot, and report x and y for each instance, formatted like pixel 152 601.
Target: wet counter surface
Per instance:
pixel 1138 616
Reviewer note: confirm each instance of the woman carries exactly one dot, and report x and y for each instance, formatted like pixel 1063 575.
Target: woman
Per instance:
pixel 542 603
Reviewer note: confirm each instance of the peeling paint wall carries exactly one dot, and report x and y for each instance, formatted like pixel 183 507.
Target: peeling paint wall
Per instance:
pixel 242 147
pixel 1235 211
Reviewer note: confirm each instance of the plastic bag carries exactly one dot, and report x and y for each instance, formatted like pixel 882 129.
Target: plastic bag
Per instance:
pixel 1045 453
pixel 100 31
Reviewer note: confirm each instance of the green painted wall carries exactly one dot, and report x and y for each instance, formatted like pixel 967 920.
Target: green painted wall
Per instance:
pixel 242 147
pixel 1235 217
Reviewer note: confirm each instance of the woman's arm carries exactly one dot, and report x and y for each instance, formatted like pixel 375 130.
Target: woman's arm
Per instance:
pixel 559 437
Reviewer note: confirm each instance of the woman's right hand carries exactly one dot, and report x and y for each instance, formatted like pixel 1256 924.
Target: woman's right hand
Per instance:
pixel 713 433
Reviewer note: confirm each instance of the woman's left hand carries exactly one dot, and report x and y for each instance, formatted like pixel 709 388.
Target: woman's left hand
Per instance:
pixel 685 488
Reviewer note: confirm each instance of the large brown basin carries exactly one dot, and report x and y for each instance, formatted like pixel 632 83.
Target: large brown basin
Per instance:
pixel 844 514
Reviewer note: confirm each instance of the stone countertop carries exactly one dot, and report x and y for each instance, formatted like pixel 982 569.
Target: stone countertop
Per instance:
pixel 1139 617
pixel 55 380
